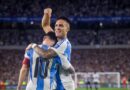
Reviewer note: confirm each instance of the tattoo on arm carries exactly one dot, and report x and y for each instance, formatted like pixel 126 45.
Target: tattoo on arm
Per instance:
pixel 45 53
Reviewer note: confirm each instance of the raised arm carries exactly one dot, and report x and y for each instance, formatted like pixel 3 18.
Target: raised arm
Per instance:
pixel 46 20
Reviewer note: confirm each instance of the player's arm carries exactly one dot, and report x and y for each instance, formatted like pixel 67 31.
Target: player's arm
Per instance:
pixel 24 69
pixel 71 69
pixel 42 52
pixel 46 20
pixel 66 64
pixel 52 52
pixel 45 53
pixel 22 75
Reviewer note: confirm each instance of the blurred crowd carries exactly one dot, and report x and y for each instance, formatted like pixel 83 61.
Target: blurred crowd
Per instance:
pixel 77 37
pixel 10 64
pixel 100 37
pixel 20 37
pixel 66 8
pixel 109 60
pixel 87 60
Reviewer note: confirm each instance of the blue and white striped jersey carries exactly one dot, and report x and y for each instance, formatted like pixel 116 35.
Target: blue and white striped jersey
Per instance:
pixel 41 71
pixel 64 80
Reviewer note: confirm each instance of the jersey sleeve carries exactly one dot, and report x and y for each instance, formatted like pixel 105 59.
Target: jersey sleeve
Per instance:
pixel 64 62
pixel 26 62
pixel 27 57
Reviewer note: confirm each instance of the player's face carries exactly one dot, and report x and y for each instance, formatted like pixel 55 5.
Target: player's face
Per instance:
pixel 61 28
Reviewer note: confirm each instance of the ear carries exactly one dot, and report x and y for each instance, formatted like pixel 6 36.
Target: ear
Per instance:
pixel 68 27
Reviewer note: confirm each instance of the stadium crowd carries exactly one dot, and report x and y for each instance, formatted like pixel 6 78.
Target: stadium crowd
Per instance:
pixel 87 60
pixel 10 65
pixel 77 37
pixel 68 8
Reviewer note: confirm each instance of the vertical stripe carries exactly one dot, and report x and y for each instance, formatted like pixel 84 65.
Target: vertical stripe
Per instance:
pixel 35 56
pixel 68 51
pixel 30 53
pixel 53 70
pixel 40 79
pixel 40 83
pixel 59 81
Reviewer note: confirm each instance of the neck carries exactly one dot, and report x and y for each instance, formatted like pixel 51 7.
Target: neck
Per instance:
pixel 61 38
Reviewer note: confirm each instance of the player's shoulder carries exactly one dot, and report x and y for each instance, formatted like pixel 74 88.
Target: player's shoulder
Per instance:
pixel 28 53
pixel 63 43
pixel 68 42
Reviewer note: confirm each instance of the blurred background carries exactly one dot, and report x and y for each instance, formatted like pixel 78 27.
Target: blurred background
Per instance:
pixel 100 35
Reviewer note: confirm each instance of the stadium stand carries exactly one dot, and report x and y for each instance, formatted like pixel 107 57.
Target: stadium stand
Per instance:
pixel 83 8
pixel 77 37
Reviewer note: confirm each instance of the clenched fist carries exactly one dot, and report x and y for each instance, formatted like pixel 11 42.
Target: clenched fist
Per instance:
pixel 48 10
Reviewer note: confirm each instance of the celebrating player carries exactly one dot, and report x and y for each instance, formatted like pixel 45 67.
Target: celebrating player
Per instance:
pixel 41 70
pixel 63 47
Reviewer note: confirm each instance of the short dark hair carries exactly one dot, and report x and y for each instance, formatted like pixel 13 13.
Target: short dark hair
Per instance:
pixel 64 18
pixel 52 36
